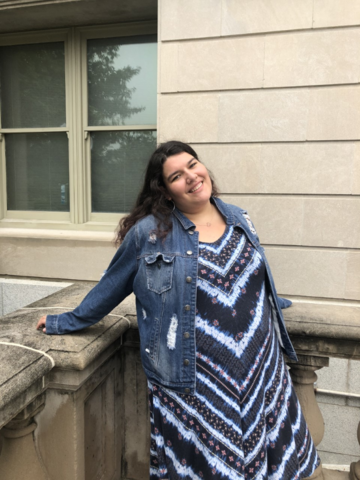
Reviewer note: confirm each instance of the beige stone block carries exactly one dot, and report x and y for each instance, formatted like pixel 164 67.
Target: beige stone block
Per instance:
pixel 249 16
pixel 26 257
pixel 188 19
pixel 190 118
pixel 311 168
pixel 340 419
pixel 354 376
pixel 335 377
pixel 356 170
pixel 332 222
pixel 312 272
pixel 354 401
pixel 334 113
pixel 312 58
pixel 331 13
pixel 305 167
pixel 333 458
pixel 352 290
pixel 287 220
pixel 328 398
pixel 267 115
pixel 236 168
pixel 278 220
pixel 228 63
pixel 169 67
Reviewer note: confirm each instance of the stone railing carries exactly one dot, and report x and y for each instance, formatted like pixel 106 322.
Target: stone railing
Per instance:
pixel 64 404
pixel 75 406
pixel 319 332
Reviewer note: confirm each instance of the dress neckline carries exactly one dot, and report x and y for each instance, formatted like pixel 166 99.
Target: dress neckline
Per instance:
pixel 226 231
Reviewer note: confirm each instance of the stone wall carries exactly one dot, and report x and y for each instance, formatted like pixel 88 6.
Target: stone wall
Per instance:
pixel 57 254
pixel 341 410
pixel 267 92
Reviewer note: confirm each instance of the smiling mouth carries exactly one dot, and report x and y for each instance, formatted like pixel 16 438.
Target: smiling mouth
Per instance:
pixel 197 187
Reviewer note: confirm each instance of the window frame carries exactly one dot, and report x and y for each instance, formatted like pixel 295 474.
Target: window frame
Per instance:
pixel 80 216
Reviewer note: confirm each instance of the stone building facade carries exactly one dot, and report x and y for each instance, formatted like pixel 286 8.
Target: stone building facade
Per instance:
pixel 267 92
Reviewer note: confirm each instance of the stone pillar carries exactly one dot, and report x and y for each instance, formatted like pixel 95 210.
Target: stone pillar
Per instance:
pixel 19 458
pixel 303 376
pixel 355 466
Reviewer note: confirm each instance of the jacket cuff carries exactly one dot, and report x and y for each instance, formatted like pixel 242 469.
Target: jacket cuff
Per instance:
pixel 52 324
pixel 284 302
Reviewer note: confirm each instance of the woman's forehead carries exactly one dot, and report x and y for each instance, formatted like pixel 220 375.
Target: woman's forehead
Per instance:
pixel 177 162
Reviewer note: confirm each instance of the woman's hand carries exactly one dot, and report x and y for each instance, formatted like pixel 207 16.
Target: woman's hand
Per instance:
pixel 41 324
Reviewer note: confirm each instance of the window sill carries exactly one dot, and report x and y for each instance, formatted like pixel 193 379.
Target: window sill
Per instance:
pixel 55 234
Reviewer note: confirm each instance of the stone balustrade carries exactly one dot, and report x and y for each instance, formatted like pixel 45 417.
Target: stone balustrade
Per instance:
pixel 75 406
pixel 320 331
pixel 62 397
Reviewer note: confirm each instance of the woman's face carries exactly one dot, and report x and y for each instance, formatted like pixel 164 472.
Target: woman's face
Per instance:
pixel 187 182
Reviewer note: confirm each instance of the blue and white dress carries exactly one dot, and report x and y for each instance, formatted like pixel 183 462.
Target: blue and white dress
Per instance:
pixel 244 420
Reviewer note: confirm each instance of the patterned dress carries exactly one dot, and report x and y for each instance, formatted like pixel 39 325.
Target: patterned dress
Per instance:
pixel 244 420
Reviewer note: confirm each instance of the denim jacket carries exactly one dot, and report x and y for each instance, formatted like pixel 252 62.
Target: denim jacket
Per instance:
pixel 163 276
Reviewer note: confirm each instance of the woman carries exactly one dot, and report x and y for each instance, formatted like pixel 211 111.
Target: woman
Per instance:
pixel 221 401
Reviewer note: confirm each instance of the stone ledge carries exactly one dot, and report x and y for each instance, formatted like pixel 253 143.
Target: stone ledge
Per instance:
pixel 25 373
pixel 20 369
pixel 54 234
pixel 76 350
pixel 324 330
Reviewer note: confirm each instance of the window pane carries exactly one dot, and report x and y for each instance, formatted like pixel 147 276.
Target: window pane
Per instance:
pixel 32 80
pixel 37 172
pixel 118 161
pixel 122 81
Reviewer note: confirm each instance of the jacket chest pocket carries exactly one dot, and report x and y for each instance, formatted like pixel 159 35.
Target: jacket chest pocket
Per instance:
pixel 159 272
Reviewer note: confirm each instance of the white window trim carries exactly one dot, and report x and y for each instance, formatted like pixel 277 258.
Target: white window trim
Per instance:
pixel 80 216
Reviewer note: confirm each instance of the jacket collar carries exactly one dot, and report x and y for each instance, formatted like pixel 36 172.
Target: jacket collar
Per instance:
pixel 220 205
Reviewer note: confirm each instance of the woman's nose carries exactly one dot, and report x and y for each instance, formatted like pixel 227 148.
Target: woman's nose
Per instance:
pixel 191 177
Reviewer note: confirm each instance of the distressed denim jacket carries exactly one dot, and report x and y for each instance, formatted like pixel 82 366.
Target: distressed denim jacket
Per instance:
pixel 163 276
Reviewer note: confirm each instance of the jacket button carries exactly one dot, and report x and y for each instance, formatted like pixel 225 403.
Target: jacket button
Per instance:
pixel 188 279
pixel 189 252
pixel 187 390
pixel 187 307
pixel 186 335
pixel 191 232
pixel 186 362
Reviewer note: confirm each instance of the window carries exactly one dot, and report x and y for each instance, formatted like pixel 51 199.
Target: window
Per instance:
pixel 78 123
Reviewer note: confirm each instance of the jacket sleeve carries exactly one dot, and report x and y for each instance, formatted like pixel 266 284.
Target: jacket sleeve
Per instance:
pixel 115 285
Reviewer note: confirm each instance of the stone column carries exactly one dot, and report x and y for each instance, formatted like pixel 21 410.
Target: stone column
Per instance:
pixel 303 376
pixel 19 458
pixel 355 466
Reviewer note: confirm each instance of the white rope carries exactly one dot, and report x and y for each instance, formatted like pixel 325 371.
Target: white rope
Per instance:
pixel 124 318
pixel 32 349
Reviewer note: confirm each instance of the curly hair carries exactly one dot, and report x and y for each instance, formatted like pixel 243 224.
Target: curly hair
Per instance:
pixel 151 199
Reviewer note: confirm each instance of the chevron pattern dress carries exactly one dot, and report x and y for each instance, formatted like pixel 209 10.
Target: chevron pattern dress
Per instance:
pixel 244 421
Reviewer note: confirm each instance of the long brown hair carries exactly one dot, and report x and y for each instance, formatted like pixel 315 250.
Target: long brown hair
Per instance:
pixel 151 199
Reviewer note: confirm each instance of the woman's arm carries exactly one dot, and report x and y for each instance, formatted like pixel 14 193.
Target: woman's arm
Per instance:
pixel 114 286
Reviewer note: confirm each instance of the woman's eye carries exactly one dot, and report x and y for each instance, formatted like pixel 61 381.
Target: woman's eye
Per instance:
pixel 193 164
pixel 175 178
